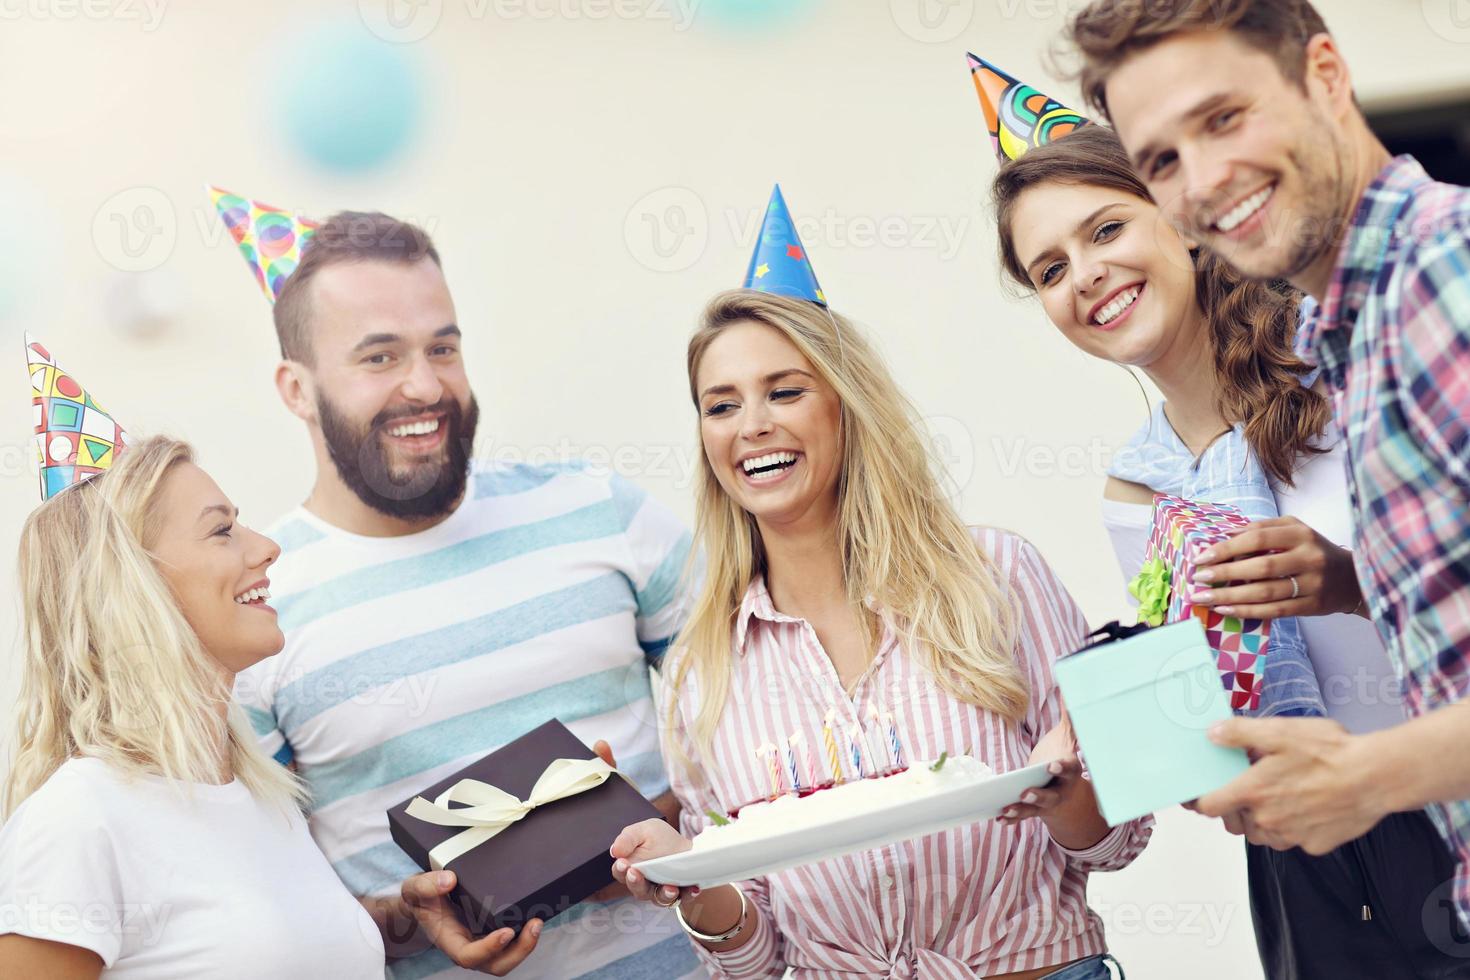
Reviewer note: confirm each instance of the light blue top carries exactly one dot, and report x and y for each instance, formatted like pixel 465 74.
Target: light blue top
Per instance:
pixel 1227 472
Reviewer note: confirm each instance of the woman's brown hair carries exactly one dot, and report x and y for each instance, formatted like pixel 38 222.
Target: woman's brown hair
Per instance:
pixel 1252 323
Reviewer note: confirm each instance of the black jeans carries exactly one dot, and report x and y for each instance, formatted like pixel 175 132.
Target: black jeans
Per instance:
pixel 1377 907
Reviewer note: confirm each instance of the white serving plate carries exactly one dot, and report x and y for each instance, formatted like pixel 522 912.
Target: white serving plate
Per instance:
pixel 903 820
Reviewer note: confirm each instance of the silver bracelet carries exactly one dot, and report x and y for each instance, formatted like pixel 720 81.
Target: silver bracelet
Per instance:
pixel 723 937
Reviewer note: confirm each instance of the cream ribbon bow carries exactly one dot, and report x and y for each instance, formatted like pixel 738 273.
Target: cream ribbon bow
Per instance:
pixel 490 809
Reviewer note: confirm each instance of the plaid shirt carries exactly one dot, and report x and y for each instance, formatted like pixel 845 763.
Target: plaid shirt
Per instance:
pixel 1393 337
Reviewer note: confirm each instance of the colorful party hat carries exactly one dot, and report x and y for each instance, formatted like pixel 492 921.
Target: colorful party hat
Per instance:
pixel 779 264
pixel 1019 117
pixel 270 239
pixel 75 437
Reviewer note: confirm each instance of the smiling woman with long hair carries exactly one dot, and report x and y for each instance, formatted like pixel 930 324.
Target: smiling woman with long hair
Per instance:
pixel 113 669
pixel 839 579
pixel 1240 423
pixel 146 834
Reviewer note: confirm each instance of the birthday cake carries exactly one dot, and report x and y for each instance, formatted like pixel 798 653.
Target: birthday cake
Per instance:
pixel 795 811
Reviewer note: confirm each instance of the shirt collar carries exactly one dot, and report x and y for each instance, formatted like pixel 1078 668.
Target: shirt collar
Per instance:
pixel 757 604
pixel 1308 332
pixel 1360 259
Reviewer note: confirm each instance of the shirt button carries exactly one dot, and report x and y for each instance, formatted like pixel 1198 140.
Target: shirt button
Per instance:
pixel 886 881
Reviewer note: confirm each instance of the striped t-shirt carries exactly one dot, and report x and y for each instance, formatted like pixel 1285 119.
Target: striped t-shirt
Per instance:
pixel 548 593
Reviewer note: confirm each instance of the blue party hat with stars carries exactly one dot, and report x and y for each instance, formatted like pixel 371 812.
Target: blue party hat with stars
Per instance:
pixel 779 264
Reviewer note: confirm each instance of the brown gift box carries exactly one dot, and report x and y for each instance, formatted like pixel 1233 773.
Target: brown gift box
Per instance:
pixel 549 860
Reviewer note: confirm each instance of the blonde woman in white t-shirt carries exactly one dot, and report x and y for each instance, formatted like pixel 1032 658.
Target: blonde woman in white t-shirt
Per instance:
pixel 146 835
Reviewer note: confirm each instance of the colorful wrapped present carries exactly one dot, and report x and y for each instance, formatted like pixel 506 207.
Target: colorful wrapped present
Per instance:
pixel 1182 530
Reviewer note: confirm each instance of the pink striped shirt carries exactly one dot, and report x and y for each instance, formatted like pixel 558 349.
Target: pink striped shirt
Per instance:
pixel 970 902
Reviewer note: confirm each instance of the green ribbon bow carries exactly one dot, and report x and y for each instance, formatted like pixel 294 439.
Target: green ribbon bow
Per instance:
pixel 1151 588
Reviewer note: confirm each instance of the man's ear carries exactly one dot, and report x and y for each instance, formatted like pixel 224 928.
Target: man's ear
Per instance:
pixel 1328 72
pixel 294 383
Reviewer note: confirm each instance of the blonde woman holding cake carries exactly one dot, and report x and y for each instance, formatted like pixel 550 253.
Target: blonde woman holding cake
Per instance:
pixel 838 576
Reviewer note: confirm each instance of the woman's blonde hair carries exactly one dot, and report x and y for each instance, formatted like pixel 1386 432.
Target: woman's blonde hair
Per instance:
pixel 902 543
pixel 112 668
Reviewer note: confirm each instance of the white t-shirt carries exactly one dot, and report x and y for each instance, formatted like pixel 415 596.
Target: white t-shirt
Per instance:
pixel 166 880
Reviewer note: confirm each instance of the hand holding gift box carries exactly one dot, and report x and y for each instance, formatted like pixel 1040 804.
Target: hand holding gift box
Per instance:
pixel 1183 530
pixel 423 911
pixel 1278 567
pixel 1141 703
pixel 525 829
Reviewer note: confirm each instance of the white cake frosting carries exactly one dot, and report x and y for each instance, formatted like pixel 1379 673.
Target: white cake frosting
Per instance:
pixel 791 812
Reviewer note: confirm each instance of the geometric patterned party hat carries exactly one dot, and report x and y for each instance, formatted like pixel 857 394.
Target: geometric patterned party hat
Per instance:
pixel 1018 116
pixel 780 264
pixel 75 437
pixel 270 239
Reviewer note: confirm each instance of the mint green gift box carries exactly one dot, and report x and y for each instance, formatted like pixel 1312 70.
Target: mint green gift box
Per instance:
pixel 1141 708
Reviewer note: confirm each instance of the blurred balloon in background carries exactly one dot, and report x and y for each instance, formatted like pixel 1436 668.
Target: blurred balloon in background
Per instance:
pixel 753 14
pixel 352 100
pixel 142 305
pixel 30 248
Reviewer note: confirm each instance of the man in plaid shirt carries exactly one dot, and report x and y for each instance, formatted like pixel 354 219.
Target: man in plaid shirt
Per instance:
pixel 1240 117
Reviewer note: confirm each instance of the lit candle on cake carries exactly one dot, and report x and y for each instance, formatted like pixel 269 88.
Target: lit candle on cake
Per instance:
pixel 855 738
pixel 791 769
pixel 813 774
pixel 768 753
pixel 874 740
pixel 893 742
pixel 834 758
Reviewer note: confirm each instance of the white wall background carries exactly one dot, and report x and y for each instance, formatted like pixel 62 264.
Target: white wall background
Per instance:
pixel 557 135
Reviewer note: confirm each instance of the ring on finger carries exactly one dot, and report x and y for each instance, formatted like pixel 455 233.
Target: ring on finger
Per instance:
pixel 1296 588
pixel 658 895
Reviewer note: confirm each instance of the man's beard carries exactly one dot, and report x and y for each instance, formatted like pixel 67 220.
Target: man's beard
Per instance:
pixel 1326 184
pixel 428 488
